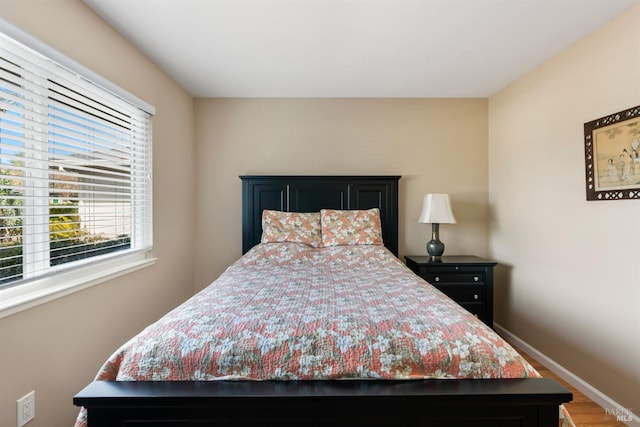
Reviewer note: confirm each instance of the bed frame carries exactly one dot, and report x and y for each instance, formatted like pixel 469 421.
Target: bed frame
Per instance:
pixel 352 403
pixel 312 193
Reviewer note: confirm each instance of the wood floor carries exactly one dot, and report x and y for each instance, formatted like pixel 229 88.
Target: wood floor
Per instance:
pixel 584 412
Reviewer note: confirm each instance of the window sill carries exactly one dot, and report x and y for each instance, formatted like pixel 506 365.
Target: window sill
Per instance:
pixel 28 295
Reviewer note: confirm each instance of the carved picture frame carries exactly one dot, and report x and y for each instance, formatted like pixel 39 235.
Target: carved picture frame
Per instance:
pixel 612 156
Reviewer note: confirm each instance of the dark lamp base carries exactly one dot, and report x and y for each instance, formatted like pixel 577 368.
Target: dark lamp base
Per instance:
pixel 435 248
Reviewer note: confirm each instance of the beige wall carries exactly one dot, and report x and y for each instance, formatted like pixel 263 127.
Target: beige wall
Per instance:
pixel 56 348
pixel 436 145
pixel 569 280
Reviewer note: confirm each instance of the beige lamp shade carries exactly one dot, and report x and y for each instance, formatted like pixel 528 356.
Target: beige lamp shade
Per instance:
pixel 436 209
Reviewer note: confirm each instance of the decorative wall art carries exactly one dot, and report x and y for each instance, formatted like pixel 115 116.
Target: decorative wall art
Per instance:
pixel 612 156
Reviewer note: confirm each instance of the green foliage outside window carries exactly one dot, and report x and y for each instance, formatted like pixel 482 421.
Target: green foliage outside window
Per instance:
pixel 67 240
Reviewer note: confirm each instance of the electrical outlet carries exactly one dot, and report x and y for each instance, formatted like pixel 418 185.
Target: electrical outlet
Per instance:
pixel 26 408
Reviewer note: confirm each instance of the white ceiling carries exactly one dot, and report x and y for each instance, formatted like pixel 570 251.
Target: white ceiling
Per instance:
pixel 352 48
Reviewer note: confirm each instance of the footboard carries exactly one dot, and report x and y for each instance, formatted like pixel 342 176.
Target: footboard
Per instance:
pixel 478 403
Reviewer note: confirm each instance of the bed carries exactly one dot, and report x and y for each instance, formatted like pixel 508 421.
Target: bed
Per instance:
pixel 322 325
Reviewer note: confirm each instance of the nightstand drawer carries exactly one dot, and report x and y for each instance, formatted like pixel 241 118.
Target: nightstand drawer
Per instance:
pixel 477 309
pixel 464 293
pixel 458 277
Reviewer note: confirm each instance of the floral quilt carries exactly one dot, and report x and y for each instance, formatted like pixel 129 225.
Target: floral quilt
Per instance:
pixel 288 311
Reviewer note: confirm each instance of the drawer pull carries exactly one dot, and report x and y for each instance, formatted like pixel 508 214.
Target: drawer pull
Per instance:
pixel 475 296
pixel 476 278
pixel 437 279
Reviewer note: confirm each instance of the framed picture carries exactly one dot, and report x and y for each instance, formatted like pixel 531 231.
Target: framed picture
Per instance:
pixel 612 156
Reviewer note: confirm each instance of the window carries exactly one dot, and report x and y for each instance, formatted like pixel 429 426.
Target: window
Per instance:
pixel 75 167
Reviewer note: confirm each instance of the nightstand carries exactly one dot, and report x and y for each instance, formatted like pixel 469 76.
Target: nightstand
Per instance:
pixel 468 280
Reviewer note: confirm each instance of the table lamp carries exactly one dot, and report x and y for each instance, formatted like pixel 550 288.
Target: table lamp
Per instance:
pixel 436 210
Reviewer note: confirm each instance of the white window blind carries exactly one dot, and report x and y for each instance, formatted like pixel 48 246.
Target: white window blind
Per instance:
pixel 75 168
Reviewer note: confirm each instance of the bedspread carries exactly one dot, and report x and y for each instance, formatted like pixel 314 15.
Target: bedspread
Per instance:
pixel 286 311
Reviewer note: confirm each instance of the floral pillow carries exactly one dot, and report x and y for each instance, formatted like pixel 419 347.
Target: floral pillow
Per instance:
pixel 278 226
pixel 350 227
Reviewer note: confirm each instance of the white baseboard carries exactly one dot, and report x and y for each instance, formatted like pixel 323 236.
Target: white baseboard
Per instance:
pixel 611 406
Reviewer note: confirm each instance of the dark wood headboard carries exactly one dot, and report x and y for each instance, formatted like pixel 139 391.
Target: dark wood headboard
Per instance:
pixel 312 193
